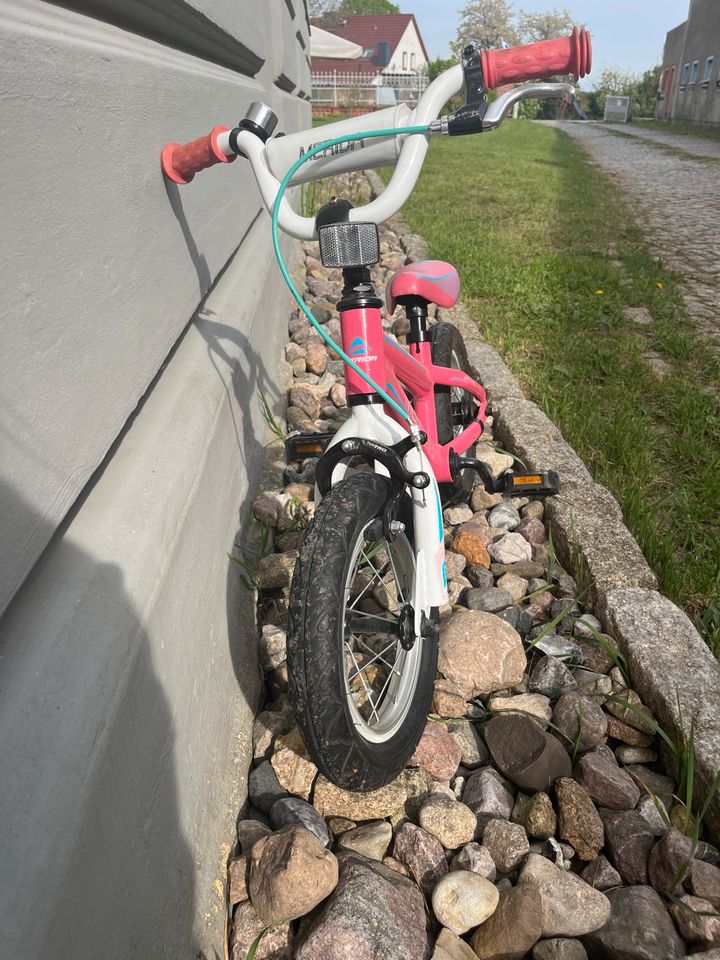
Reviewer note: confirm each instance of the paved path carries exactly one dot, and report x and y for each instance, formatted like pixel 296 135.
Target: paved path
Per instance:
pixel 696 146
pixel 676 197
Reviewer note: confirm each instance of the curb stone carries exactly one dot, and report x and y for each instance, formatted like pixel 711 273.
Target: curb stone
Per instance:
pixel 671 667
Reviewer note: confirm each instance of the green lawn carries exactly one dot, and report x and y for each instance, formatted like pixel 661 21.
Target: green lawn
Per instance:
pixel 549 258
pixel 684 129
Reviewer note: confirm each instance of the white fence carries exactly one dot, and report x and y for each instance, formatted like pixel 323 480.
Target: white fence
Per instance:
pixel 347 90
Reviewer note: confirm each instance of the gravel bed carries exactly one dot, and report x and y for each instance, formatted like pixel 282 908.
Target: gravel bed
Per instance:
pixel 535 818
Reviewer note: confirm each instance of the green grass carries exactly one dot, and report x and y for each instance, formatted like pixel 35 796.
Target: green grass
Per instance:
pixel 329 118
pixel 683 129
pixel 549 257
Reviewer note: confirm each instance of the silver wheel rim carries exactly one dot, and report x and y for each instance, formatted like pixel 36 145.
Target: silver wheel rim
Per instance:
pixel 379 676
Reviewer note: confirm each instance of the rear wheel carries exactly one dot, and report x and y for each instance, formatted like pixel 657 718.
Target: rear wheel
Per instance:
pixel 454 408
pixel 360 683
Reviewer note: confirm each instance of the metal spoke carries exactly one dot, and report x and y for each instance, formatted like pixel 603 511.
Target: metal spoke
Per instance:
pixel 369 649
pixel 378 575
pixel 385 685
pixel 378 700
pixel 362 680
pixel 378 656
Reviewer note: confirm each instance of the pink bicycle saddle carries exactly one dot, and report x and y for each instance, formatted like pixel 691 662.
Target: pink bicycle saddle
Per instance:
pixel 434 280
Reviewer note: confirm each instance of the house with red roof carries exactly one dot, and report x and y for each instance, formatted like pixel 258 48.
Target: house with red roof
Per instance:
pixel 391 43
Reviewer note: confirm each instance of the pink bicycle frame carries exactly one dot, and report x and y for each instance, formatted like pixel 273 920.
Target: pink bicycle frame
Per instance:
pixel 410 377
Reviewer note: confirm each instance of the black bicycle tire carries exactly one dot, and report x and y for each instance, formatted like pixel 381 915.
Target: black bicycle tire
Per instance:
pixel 446 339
pixel 314 646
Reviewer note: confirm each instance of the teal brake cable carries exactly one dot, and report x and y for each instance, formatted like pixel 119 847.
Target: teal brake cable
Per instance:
pixel 284 271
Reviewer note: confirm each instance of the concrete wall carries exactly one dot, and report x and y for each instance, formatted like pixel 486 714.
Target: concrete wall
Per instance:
pixel 700 102
pixel 130 437
pixel 672 59
pixel 698 39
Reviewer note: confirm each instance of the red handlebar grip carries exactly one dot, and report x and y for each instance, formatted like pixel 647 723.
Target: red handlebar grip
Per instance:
pixel 181 161
pixel 539 61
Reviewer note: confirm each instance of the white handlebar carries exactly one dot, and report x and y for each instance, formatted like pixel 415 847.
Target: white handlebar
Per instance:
pixel 270 162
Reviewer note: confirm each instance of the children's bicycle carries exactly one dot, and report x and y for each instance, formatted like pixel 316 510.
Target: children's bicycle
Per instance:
pixel 371 576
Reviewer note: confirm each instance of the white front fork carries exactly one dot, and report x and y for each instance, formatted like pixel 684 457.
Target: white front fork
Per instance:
pixel 372 423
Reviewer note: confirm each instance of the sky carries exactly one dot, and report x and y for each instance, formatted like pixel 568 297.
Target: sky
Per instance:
pixel 627 34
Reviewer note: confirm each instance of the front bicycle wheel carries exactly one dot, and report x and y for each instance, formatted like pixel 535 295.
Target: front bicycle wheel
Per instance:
pixel 360 682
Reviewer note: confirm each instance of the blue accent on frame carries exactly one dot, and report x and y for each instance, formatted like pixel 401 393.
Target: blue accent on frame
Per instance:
pixel 393 392
pixel 441 532
pixel 443 276
pixel 393 343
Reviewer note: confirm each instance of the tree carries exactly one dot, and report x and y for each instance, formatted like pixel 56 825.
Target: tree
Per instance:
pixel 611 82
pixel 489 22
pixel 438 66
pixel 645 93
pixel 349 8
pixel 319 10
pixel 544 26
pixel 328 12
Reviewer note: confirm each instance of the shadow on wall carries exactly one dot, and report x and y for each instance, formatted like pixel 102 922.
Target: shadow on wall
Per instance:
pixel 198 259
pixel 94 858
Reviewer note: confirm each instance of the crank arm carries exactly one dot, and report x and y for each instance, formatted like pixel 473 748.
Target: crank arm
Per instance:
pixel 510 484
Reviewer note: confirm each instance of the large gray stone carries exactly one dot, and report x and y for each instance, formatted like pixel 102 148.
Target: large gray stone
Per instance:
pixel 473 752
pixel 639 928
pixel 601 874
pixel 290 873
pixel 559 948
pixel 449 946
pixel 462 900
pixel 507 844
pixel 608 784
pixel 527 755
pixel 628 842
pixel 580 720
pixel 669 863
pixel 488 796
pixel 670 664
pixel 371 839
pixel 332 801
pixel 476 858
pixel 452 823
pixel 276 944
pixel 705 882
pixel 480 653
pixel 264 787
pixel 422 854
pixel 373 914
pixel 299 812
pixel 496 376
pixel 697 921
pixel 570 907
pixel 551 677
pixel 592 527
pixel 578 821
pixel 513 928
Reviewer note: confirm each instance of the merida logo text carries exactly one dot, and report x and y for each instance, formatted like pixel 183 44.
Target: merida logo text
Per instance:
pixel 335 150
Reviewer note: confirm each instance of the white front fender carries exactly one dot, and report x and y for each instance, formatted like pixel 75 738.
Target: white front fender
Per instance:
pixel 372 423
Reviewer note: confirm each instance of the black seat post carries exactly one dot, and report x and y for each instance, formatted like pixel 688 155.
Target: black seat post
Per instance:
pixel 416 310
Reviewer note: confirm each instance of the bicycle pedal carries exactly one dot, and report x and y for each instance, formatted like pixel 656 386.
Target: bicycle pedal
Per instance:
pixel 300 446
pixel 541 483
